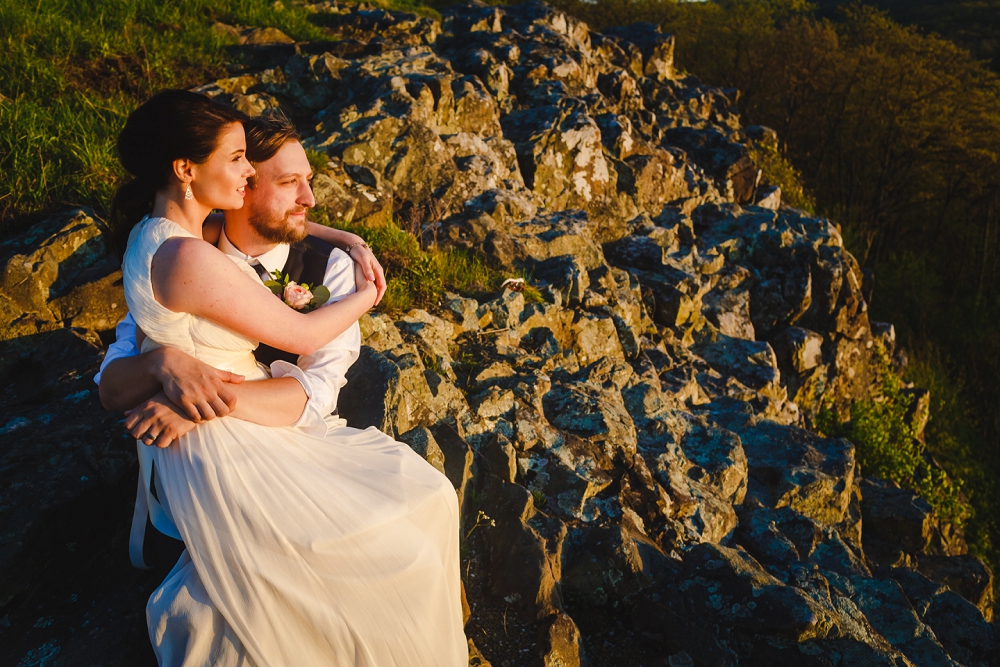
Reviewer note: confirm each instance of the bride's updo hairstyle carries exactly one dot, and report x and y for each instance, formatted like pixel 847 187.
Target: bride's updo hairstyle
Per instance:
pixel 171 125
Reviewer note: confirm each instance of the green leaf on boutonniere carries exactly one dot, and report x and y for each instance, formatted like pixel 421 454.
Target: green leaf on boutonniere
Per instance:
pixel 279 277
pixel 320 296
pixel 275 287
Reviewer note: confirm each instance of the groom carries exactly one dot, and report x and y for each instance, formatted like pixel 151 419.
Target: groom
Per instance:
pixel 167 392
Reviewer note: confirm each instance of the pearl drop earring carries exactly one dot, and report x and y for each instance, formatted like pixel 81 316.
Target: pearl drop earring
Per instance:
pixel 188 194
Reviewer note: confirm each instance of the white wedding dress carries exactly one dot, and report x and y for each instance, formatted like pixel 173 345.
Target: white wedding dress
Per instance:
pixel 337 551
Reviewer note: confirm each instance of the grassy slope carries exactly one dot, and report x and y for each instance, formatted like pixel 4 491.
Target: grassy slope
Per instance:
pixel 72 71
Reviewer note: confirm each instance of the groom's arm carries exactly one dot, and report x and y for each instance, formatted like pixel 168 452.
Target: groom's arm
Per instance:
pixel 128 378
pixel 300 396
pixel 275 402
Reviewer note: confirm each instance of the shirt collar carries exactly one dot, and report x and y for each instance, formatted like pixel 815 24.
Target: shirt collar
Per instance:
pixel 272 260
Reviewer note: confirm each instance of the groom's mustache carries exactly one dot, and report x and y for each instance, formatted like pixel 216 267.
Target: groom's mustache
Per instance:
pixel 278 227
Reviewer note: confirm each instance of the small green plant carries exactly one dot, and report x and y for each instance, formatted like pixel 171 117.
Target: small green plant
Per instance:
pixel 777 170
pixel 481 520
pixel 539 498
pixel 418 278
pixel 318 160
pixel 887 446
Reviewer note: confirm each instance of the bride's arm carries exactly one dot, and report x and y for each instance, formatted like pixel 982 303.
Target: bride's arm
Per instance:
pixel 358 250
pixel 194 277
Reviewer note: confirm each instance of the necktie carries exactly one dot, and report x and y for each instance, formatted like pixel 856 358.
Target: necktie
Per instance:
pixel 259 268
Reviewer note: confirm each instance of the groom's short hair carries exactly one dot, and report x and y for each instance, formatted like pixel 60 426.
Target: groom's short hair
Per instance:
pixel 265 137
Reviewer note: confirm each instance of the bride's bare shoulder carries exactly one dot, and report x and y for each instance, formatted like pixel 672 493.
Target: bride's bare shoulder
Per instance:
pixel 186 269
pixel 190 256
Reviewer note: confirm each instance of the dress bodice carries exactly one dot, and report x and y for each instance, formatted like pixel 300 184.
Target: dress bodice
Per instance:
pixel 203 339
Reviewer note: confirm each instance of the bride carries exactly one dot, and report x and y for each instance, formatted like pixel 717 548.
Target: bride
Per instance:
pixel 338 550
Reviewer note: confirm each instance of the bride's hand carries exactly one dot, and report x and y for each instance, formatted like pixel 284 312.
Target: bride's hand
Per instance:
pixel 157 421
pixel 363 257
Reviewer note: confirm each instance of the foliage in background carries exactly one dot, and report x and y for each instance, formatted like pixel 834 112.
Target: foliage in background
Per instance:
pixel 972 24
pixel 887 447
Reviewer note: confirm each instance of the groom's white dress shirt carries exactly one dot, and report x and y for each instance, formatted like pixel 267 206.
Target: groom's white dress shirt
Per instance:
pixel 321 374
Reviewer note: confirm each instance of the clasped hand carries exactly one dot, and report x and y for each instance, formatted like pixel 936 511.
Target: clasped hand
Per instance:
pixel 193 392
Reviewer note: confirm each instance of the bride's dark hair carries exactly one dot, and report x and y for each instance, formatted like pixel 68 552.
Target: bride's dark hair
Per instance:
pixel 171 125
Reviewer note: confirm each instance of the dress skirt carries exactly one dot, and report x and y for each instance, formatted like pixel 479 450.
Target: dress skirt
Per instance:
pixel 303 550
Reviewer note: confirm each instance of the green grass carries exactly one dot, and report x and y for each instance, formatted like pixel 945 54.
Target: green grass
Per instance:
pixel 71 72
pixel 418 277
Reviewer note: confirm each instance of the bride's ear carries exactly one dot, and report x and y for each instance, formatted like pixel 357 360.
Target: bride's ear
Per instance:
pixel 183 170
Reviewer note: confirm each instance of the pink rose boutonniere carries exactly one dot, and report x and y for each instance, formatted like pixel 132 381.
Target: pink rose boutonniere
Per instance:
pixel 297 296
pixel 300 297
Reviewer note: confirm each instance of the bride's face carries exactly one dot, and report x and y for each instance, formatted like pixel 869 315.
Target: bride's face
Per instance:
pixel 220 182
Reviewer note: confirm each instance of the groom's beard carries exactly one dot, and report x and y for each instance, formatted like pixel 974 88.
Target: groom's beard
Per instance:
pixel 278 230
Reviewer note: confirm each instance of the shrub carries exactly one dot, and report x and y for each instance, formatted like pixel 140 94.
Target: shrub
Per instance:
pixel 777 170
pixel 887 446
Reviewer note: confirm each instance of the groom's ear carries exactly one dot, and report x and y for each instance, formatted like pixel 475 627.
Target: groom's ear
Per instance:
pixel 183 169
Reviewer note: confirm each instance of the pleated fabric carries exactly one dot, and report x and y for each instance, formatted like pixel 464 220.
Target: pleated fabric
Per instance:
pixel 301 550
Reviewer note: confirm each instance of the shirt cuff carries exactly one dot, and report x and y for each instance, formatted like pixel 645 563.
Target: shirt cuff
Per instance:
pixel 312 420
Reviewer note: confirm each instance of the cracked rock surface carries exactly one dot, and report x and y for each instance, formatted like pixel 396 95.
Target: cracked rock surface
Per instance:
pixel 633 455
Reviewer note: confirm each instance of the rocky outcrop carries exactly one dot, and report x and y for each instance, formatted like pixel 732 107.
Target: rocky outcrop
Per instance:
pixel 633 454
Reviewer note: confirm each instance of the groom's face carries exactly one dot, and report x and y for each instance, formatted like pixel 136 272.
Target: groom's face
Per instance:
pixel 276 207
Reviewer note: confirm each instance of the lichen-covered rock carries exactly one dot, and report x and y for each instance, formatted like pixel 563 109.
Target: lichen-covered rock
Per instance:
pixel 889 611
pixel 791 467
pixel 422 441
pixel 656 48
pixel 59 274
pixel 560 642
pixel 631 453
pixel 521 571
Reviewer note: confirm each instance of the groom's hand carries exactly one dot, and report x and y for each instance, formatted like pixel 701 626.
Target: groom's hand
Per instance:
pixel 199 390
pixel 363 257
pixel 157 421
pixel 361 281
